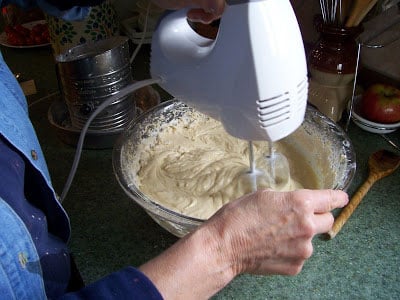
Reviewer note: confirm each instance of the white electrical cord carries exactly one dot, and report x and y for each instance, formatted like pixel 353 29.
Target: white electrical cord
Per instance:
pixel 122 93
pixel 143 35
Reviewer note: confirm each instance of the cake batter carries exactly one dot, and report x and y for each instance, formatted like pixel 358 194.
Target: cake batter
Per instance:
pixel 195 167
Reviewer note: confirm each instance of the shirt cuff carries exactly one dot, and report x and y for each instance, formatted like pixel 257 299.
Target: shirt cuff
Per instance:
pixel 128 283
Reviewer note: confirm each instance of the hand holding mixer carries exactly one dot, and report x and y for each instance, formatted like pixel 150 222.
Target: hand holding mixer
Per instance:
pixel 252 77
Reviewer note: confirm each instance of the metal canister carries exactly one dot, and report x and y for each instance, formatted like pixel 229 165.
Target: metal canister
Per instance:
pixel 89 74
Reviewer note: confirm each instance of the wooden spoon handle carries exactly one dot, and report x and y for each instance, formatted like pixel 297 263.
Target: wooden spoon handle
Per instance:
pixel 352 205
pixel 355 9
pixel 362 15
pixel 344 10
pixel 359 11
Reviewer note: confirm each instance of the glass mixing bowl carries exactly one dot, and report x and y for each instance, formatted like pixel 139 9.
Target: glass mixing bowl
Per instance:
pixel 324 145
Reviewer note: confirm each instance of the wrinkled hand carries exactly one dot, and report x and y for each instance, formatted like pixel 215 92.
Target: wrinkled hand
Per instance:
pixel 262 233
pixel 205 11
pixel 271 232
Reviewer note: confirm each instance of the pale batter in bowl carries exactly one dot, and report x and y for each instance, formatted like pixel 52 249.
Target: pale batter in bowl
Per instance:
pixel 320 156
pixel 194 167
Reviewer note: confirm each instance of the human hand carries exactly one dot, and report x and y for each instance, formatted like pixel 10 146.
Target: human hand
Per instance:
pixel 204 11
pixel 271 232
pixel 265 232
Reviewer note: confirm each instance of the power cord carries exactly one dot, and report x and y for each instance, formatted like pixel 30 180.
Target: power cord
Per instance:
pixel 143 35
pixel 122 93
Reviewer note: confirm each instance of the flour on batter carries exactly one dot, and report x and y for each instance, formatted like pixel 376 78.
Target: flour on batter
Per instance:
pixel 195 167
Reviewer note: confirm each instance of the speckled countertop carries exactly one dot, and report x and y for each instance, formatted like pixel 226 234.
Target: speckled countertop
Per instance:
pixel 110 231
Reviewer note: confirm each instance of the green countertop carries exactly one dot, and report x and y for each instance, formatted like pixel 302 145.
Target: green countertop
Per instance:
pixel 110 231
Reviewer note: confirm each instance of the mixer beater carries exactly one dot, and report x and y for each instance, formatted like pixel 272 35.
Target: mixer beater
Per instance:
pixel 272 170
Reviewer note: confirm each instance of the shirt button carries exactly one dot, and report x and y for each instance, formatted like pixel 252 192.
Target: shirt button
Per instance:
pixel 23 260
pixel 34 155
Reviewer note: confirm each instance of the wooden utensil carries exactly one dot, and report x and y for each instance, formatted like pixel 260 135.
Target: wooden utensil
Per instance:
pixel 359 11
pixel 363 13
pixel 381 164
pixel 344 9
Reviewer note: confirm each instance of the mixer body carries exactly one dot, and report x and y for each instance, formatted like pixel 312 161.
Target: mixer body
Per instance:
pixel 252 77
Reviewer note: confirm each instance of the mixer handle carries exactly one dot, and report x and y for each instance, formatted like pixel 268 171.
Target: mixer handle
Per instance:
pixel 180 42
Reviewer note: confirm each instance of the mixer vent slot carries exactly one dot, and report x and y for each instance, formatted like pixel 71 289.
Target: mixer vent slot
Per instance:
pixel 274 110
pixel 302 93
pixel 279 108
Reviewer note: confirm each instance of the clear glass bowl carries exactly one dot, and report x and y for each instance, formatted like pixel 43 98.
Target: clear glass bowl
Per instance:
pixel 322 142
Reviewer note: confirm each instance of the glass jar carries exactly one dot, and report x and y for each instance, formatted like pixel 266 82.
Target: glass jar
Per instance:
pixel 336 50
pixel 332 65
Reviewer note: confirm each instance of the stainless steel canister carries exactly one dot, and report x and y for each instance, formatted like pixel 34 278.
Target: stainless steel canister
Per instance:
pixel 89 74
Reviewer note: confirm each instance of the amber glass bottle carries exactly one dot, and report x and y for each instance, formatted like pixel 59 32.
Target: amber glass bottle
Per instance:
pixel 336 49
pixel 332 65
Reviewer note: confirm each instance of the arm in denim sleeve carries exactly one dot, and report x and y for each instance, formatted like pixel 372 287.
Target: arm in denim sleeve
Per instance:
pixel 73 10
pixel 128 283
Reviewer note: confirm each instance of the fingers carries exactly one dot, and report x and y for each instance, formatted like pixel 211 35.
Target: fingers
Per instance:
pixel 323 222
pixel 215 7
pixel 208 11
pixel 271 232
pixel 204 11
pixel 323 200
pixel 199 15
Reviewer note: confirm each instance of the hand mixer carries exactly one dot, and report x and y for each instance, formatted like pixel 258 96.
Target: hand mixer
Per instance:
pixel 252 77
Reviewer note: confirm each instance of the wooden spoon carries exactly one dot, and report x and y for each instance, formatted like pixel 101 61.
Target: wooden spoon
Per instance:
pixel 381 164
pixel 343 12
pixel 359 11
pixel 363 13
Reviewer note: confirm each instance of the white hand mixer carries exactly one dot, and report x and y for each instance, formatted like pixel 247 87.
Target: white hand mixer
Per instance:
pixel 252 77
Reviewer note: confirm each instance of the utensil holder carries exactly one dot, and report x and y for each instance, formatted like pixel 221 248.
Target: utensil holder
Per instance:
pixel 332 66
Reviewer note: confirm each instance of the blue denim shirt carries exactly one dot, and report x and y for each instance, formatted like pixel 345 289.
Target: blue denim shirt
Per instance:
pixel 20 272
pixel 16 128
pixel 20 269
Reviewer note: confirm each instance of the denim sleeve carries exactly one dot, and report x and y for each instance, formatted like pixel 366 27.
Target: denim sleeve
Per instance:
pixel 73 13
pixel 128 283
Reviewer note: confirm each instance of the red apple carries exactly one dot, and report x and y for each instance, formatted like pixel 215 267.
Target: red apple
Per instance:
pixel 381 103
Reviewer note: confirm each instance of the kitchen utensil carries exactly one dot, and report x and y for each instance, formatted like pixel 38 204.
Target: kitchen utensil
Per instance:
pixel 381 164
pixel 363 13
pixel 331 10
pixel 335 12
pixel 359 11
pixel 344 10
pixel 92 72
pixel 324 145
pixel 252 77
